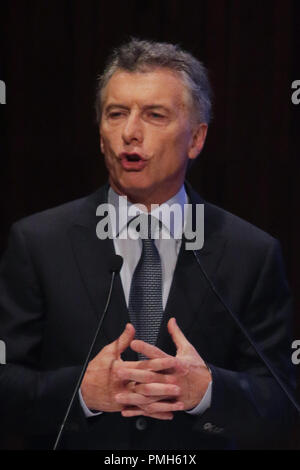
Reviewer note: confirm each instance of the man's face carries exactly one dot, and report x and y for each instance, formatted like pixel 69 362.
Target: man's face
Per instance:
pixel 147 135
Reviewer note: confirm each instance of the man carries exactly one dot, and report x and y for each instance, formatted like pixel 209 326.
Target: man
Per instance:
pixel 170 369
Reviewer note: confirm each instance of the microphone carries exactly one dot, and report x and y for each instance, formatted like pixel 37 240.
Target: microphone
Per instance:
pixel 247 336
pixel 115 263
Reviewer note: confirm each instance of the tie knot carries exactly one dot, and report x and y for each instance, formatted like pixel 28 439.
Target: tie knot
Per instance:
pixel 146 226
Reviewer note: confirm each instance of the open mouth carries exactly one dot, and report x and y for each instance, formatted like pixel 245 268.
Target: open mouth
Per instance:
pixel 132 157
pixel 132 161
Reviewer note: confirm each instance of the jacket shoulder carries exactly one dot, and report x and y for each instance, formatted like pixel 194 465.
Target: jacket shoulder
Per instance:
pixel 59 218
pixel 220 222
pixel 235 228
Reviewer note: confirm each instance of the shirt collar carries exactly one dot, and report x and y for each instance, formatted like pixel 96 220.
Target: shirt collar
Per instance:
pixel 126 211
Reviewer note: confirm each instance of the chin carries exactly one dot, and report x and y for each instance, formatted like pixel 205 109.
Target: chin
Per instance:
pixel 136 192
pixel 136 184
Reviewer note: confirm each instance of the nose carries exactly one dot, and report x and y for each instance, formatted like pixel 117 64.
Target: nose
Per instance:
pixel 133 129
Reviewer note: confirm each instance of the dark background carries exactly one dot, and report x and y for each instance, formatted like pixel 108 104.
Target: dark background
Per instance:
pixel 51 53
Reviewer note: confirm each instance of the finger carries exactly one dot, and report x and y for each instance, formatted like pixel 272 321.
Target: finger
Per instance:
pixel 166 366
pixel 158 389
pixel 147 349
pixel 141 376
pixel 124 340
pixel 161 398
pixel 129 413
pixel 177 336
pixel 158 365
pixel 162 407
pixel 150 364
pixel 156 370
pixel 140 412
pixel 133 399
pixel 163 416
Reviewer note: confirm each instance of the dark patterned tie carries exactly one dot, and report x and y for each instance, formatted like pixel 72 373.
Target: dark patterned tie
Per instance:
pixel 145 298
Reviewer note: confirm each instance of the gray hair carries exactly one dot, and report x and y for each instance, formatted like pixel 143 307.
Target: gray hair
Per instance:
pixel 142 56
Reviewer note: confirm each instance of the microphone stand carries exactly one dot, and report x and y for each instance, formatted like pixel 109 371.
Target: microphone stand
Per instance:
pixel 84 367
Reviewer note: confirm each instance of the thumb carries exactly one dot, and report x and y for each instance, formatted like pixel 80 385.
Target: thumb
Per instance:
pixel 177 336
pixel 124 339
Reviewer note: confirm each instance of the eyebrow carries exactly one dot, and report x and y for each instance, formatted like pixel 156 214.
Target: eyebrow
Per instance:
pixel 115 105
pixel 157 107
pixel 146 107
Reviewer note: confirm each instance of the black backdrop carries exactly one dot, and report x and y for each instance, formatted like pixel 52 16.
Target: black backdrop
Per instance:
pixel 51 52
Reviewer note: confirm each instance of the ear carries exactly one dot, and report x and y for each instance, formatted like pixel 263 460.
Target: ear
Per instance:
pixel 101 141
pixel 198 140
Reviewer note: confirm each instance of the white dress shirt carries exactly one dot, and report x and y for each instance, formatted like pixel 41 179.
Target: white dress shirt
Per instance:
pixel 167 242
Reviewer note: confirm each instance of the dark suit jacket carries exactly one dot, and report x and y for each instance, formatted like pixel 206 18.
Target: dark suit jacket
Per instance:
pixel 54 281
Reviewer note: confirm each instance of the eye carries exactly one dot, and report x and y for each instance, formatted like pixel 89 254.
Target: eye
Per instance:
pixel 114 114
pixel 156 115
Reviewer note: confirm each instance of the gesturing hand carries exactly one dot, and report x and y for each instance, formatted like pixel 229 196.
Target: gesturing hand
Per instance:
pixel 103 382
pixel 188 374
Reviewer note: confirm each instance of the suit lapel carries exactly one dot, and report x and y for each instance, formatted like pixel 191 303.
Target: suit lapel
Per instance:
pixel 93 258
pixel 189 288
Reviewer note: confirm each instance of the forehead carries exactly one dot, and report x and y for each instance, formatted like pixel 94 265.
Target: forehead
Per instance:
pixel 159 86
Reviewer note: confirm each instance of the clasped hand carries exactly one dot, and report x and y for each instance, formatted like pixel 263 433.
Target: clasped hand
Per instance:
pixel 156 387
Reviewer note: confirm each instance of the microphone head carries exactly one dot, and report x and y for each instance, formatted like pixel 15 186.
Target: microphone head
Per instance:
pixel 116 263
